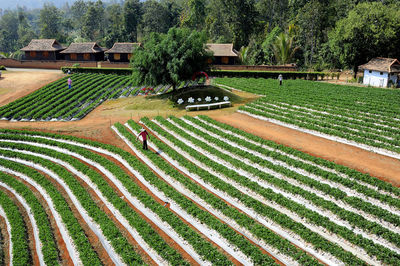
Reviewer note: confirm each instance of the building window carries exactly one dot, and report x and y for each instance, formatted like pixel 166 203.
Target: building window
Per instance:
pixel 117 56
pixel 209 60
pixel 370 71
pixel 74 57
pixel 32 54
pixel 225 60
pixel 45 54
pixel 86 56
pixel 129 56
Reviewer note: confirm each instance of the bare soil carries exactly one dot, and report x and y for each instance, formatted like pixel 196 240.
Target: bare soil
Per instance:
pixel 4 243
pixel 383 167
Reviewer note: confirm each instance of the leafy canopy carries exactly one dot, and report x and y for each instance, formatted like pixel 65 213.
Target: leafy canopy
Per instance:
pixel 170 58
pixel 370 30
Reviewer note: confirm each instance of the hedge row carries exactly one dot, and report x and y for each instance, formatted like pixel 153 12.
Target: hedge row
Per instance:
pixel 219 73
pixel 117 71
pixel 274 74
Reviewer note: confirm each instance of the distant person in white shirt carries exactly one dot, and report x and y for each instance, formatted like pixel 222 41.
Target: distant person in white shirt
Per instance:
pixel 280 78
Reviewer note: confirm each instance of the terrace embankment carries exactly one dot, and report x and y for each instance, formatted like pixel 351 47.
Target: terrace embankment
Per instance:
pixel 383 167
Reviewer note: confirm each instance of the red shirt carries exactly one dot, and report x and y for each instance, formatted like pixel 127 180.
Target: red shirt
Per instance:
pixel 144 135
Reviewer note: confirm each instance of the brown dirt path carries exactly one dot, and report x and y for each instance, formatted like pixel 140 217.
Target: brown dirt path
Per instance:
pixel 16 84
pixel 383 167
pixel 4 242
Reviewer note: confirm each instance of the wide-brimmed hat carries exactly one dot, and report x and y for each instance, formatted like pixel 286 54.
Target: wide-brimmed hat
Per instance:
pixel 142 130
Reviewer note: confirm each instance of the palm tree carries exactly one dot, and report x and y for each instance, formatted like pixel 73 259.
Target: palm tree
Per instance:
pixel 243 55
pixel 283 46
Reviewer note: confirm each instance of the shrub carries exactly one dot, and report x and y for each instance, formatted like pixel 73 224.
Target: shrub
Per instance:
pixel 117 71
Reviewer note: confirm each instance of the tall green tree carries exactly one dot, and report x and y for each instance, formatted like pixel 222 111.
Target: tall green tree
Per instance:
pixel 240 16
pixel 170 58
pixel 50 23
pixel 78 11
pixel 216 24
pixel 155 18
pixel 9 32
pixel 115 25
pixel 25 31
pixel 370 30
pixel 194 14
pixel 174 9
pixel 273 12
pixel 311 21
pixel 132 15
pixel 94 22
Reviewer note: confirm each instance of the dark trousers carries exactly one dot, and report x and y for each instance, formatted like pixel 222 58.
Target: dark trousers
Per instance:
pixel 145 145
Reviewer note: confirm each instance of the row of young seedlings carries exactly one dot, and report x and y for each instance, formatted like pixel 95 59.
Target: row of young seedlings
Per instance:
pixel 349 97
pixel 191 131
pixel 362 130
pixel 65 107
pixel 354 201
pixel 352 187
pixel 347 174
pixel 86 101
pixel 23 101
pixel 215 216
pixel 18 247
pixel 40 105
pixel 375 131
pixel 211 255
pixel 43 108
pixel 329 131
pixel 44 242
pixel 251 225
pixel 187 233
pixel 97 221
pixel 9 110
pixel 119 243
pixel 353 198
pixel 226 188
pixel 373 120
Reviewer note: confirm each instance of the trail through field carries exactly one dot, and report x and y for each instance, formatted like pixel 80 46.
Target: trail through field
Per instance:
pixel 16 84
pixel 383 167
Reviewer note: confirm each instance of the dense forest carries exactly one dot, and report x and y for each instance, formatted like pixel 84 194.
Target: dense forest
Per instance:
pixel 314 34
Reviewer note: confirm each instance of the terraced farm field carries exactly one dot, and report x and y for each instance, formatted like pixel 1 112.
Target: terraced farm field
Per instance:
pixel 207 193
pixel 361 116
pixel 55 102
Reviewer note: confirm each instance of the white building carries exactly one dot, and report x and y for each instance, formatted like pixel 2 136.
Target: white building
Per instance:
pixel 378 72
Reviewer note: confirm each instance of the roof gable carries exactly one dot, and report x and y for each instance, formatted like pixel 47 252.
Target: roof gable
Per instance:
pixel 43 45
pixel 83 48
pixel 381 64
pixel 123 47
pixel 222 49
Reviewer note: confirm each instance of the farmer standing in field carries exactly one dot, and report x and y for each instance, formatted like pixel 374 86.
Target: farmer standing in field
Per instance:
pixel 144 135
pixel 69 83
pixel 280 78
